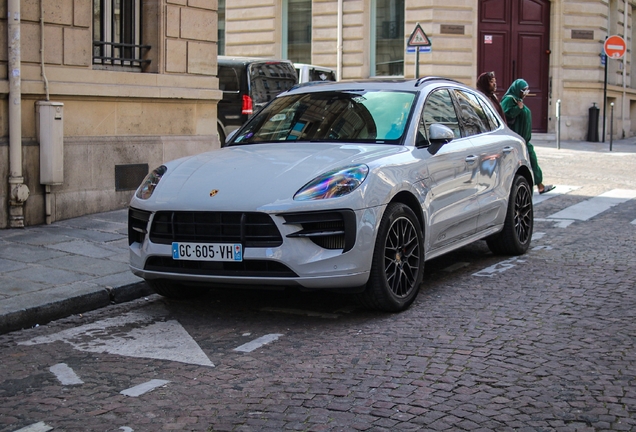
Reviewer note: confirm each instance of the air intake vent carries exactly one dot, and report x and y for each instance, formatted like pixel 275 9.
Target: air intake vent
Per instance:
pixel 329 230
pixel 137 225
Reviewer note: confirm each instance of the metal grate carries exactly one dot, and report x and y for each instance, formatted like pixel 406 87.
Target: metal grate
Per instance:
pixel 129 177
pixel 249 229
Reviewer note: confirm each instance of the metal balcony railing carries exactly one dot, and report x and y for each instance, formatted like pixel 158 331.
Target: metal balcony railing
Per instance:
pixel 119 54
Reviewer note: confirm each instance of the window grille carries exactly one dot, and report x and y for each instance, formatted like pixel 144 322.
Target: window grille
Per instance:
pixel 117 33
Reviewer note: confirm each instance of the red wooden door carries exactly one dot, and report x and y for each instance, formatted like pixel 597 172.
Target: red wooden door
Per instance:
pixel 514 42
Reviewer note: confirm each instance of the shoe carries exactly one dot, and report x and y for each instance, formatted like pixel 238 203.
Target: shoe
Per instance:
pixel 547 188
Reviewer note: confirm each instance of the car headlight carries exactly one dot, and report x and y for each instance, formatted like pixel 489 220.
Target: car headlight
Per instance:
pixel 333 184
pixel 150 182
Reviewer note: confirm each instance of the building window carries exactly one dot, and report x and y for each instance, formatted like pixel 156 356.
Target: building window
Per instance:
pixel 297 30
pixel 117 34
pixel 221 15
pixel 387 38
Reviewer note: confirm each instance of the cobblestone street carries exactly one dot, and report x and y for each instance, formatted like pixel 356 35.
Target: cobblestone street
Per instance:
pixel 541 342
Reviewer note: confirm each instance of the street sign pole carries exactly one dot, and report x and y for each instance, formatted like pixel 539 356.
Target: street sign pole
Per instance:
pixel 605 95
pixel 614 48
pixel 417 62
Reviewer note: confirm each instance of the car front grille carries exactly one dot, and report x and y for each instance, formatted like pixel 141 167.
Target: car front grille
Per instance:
pixel 247 268
pixel 327 229
pixel 250 229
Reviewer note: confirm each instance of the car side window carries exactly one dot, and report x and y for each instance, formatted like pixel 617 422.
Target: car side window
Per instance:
pixel 439 108
pixel 492 117
pixel 228 79
pixel 473 117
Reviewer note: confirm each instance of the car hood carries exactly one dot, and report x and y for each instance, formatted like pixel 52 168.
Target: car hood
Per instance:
pixel 251 176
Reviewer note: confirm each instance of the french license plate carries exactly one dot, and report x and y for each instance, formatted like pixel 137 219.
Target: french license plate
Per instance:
pixel 207 251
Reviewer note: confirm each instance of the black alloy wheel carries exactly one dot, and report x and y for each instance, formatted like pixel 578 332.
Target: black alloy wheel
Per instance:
pixel 515 237
pixel 398 261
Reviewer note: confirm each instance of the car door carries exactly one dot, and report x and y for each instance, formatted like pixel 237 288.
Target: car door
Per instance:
pixel 490 148
pixel 453 208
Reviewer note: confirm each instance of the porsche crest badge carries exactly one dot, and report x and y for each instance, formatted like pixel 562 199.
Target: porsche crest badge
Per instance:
pixel 213 192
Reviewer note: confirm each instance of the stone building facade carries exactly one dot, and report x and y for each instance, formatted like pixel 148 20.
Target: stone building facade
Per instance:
pixel 132 99
pixel 574 73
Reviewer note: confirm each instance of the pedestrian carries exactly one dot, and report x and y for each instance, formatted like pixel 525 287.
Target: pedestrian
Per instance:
pixel 519 119
pixel 487 84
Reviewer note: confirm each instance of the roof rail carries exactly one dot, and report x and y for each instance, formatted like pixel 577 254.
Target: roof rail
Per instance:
pixel 422 80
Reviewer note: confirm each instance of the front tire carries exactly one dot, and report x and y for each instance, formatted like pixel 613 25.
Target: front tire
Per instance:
pixel 515 237
pixel 398 261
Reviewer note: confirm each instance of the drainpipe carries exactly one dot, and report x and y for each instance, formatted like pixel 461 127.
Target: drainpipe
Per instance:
pixel 47 187
pixel 339 42
pixel 18 191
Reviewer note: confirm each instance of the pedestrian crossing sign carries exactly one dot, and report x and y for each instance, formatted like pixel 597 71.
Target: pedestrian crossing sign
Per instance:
pixel 418 37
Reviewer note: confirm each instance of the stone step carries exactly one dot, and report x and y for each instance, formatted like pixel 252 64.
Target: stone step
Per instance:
pixel 543 137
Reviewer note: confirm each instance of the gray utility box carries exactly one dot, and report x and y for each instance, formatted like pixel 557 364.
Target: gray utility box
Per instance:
pixel 49 122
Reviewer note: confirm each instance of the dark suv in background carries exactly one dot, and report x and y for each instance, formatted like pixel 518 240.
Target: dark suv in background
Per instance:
pixel 248 83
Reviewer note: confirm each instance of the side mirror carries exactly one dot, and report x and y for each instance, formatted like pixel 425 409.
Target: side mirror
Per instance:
pixel 439 135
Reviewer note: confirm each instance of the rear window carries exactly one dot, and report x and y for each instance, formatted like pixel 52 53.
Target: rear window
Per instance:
pixel 318 75
pixel 269 79
pixel 228 79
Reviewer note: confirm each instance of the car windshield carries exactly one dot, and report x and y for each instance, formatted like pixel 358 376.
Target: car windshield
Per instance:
pixel 351 116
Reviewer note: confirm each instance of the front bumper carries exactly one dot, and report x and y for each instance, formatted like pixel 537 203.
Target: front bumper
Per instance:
pixel 301 260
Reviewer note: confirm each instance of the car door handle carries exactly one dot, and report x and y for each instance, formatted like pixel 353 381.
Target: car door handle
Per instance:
pixel 471 159
pixel 507 149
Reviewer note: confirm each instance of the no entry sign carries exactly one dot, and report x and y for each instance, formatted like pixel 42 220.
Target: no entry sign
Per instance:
pixel 615 47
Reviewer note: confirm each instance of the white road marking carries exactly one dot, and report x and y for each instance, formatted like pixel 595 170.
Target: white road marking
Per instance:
pixel 560 223
pixel 126 429
pixel 301 312
pixel 594 206
pixel 558 190
pixel 633 222
pixel 456 266
pixel 537 236
pixel 142 334
pixel 257 343
pixel 500 267
pixel 36 427
pixel 140 389
pixel 65 374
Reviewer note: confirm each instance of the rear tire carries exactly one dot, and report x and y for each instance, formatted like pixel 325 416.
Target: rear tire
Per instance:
pixel 398 261
pixel 174 290
pixel 515 237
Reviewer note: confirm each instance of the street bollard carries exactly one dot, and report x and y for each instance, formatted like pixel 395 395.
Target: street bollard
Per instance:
pixel 611 124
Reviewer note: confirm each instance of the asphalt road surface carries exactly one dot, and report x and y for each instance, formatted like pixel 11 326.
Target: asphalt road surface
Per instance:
pixel 541 342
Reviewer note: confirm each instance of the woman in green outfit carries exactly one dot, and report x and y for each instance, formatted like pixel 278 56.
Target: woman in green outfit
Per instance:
pixel 519 119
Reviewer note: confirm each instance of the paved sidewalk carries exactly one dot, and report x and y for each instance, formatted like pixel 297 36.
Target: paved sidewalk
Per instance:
pixel 76 265
pixel 627 145
pixel 69 267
